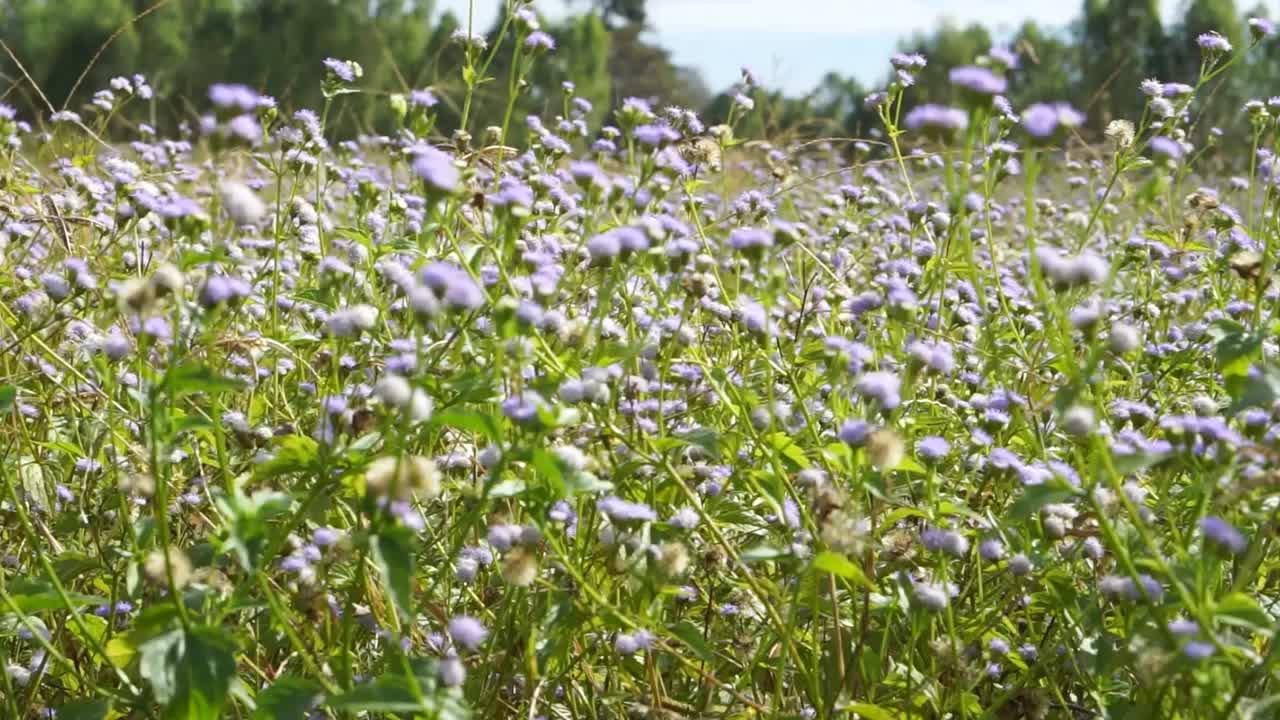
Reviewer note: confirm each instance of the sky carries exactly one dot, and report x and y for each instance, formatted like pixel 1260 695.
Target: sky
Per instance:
pixel 791 44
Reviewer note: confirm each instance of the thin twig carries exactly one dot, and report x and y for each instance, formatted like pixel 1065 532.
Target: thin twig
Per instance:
pixel 103 48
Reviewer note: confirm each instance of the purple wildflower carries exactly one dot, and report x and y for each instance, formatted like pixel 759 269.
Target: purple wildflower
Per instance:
pixel 467 632
pixel 1222 533
pixel 437 169
pixel 936 118
pixel 978 80
pixel 620 510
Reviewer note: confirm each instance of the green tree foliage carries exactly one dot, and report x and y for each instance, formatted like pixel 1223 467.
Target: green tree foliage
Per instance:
pixel 1122 42
pixel 582 57
pixel 1050 66
pixel 615 13
pixel 1228 91
pixel 949 46
pixel 1263 70
pixel 833 109
pixel 642 69
pixel 56 39
pixel 277 47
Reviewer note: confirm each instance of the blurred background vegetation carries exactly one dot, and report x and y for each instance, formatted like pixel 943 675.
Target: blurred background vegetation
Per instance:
pixel 276 46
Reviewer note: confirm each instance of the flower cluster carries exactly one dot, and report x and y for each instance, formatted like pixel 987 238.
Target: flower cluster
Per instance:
pixel 639 419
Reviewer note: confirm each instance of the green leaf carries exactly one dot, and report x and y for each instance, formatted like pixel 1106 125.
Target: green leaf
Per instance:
pixel 388 694
pixel 705 438
pixel 909 465
pixel 31 474
pixel 393 552
pixel 66 448
pixel 204 676
pixel 507 488
pixel 836 564
pixel 760 553
pixel 288 698
pixel 90 631
pixel 1035 497
pixel 159 664
pixel 1242 610
pixel 585 482
pixel 85 710
pixel 248 523
pixel 197 378
pixel 1163 236
pixel 190 672
pixel 870 712
pixel 120 651
pixel 293 454
pixel 691 635
pixel 32 596
pixel 1235 351
pixel 785 446
pixel 72 565
pixel 549 467
pixel 472 422
pixel 1261 391
pixel 1066 397
pixel 892 517
pixel 363 444
pixel 189 423
pixel 8 394
pixel 1126 464
pixel 188 260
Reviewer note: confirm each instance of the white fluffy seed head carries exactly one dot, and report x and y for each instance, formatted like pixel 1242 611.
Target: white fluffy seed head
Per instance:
pixel 364 316
pixel 1124 338
pixel 156 571
pixel 167 279
pixel 18 674
pixel 393 391
pixel 673 559
pixel 452 672
pixel 885 449
pixel 423 302
pixel 1204 406
pixel 520 568
pixel 402 478
pixel 1078 420
pixel 135 295
pixel 420 406
pixel 241 203
pixel 1089 269
pixel 1120 132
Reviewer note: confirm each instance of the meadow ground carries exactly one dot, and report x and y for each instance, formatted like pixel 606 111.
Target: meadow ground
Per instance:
pixel 973 420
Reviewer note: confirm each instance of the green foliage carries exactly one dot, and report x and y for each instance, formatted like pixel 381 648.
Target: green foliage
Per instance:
pixel 668 480
pixel 288 698
pixel 393 552
pixel 277 46
pixel 1203 16
pixel 1122 43
pixel 947 47
pixel 190 671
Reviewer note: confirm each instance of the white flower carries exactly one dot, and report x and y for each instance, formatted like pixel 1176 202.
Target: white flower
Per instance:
pixel 167 279
pixel 242 204
pixel 18 674
pixel 393 390
pixel 420 406
pixel 1123 339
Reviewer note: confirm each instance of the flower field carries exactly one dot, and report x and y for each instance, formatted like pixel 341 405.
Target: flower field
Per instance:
pixel 978 417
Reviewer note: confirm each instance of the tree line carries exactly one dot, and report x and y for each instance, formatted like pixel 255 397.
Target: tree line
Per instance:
pixel 276 47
